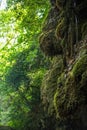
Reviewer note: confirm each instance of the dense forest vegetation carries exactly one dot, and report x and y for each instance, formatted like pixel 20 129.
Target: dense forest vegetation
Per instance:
pixel 43 65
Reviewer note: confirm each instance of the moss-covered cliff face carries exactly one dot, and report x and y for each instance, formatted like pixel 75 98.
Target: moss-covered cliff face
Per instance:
pixel 64 87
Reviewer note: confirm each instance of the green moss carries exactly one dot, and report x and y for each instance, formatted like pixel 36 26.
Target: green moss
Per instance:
pixel 65 99
pixel 59 103
pixel 49 84
pixel 84 29
pixel 61 28
pixel 83 88
pixel 60 3
pixel 51 20
pixel 72 93
pixel 80 67
pixel 64 90
pixel 84 78
pixel 49 44
pixel 61 80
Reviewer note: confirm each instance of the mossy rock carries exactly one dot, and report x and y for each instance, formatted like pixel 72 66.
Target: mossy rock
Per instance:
pixel 51 19
pixel 65 99
pixel 60 4
pixel 53 3
pixel 80 67
pixel 72 94
pixel 60 29
pixel 49 44
pixel 61 80
pixel 49 84
pixel 84 29
pixel 83 88
pixel 65 93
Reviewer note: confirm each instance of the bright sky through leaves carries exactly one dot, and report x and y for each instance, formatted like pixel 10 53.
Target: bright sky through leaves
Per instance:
pixel 2 4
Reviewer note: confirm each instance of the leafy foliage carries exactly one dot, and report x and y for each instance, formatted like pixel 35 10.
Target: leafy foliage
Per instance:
pixel 22 63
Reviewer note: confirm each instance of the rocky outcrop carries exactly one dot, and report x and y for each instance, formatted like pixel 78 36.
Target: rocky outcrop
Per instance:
pixel 64 87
